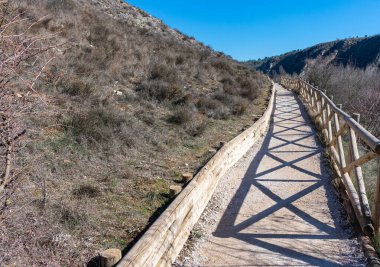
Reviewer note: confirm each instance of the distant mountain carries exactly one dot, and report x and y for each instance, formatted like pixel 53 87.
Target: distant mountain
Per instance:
pixel 359 52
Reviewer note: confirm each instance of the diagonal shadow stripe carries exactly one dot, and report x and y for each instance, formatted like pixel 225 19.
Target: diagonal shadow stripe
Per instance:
pixel 281 203
pixel 300 213
pixel 278 119
pixel 290 129
pixel 291 164
pixel 294 142
pixel 287 252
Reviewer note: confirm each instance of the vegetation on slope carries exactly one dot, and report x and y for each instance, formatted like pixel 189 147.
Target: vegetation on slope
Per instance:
pixel 123 107
pixel 358 90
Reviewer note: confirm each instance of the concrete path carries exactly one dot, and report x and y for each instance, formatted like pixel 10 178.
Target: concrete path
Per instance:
pixel 276 206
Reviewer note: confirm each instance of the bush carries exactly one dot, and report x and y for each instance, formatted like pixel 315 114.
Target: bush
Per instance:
pixel 68 215
pixel 357 89
pixel 99 124
pixel 221 64
pixel 240 106
pixel 229 86
pixel 213 108
pixel 181 115
pixel 86 191
pixel 59 5
pixel 160 90
pixel 248 88
pixel 196 126
pixel 179 60
pixel 164 73
pixel 76 87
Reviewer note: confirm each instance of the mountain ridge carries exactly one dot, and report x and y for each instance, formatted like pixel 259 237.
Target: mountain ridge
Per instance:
pixel 359 52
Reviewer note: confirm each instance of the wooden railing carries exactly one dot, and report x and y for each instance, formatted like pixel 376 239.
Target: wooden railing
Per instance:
pixel 334 124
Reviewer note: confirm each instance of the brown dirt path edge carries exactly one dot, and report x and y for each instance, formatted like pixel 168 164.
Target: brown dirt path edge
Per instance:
pixel 276 206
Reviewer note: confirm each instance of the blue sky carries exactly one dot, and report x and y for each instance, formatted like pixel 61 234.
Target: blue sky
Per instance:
pixel 251 29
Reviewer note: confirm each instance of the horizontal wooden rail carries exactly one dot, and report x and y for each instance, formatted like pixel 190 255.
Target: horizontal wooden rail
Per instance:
pixel 162 242
pixel 334 123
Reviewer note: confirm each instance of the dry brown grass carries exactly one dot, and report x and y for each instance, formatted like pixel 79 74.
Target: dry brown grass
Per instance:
pixel 126 110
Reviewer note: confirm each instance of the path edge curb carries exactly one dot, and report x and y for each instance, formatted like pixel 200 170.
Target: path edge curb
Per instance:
pixel 164 239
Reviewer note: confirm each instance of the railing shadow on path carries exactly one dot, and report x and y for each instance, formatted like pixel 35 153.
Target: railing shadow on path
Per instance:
pixel 288 126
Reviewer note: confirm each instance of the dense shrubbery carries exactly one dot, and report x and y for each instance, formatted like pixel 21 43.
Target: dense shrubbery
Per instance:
pixel 357 89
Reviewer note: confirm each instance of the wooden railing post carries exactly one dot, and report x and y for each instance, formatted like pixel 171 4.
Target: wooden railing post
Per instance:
pixel 339 140
pixel 376 206
pixel 359 176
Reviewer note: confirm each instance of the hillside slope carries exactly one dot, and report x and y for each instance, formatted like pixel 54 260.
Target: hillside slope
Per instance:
pixel 358 52
pixel 124 106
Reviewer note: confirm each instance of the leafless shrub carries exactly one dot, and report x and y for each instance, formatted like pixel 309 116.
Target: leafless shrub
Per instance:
pixel 240 106
pixel 160 90
pixel 99 125
pixel 358 90
pixel 86 191
pixel 75 86
pixel 221 64
pixel 229 85
pixel 65 5
pixel 164 73
pixel 213 108
pixel 197 126
pixel 69 216
pixel 181 115
pixel 18 50
pixel 248 88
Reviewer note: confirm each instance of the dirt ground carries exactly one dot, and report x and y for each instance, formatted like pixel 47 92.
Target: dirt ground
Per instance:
pixel 276 206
